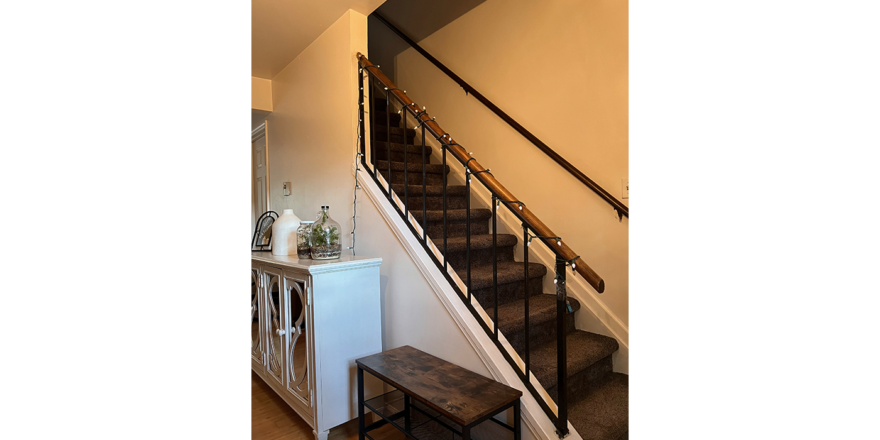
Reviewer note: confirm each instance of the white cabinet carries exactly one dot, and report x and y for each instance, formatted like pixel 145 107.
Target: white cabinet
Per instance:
pixel 310 320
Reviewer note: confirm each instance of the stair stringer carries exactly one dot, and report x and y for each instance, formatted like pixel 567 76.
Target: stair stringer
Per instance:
pixel 601 320
pixel 533 415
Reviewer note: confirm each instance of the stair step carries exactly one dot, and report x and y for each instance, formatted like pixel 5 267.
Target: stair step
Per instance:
pixel 434 203
pixel 589 359
pixel 433 173
pixel 508 272
pixel 398 156
pixel 479 215
pixel 382 127
pixel 510 282
pixel 396 135
pixel 411 149
pixel 431 168
pixel 478 242
pixel 432 190
pixel 455 221
pixel 380 117
pixel 379 105
pixel 481 249
pixel 455 196
pixel 542 320
pixel 604 413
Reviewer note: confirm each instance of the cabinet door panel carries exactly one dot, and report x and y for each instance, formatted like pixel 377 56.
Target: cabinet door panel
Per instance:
pixel 257 320
pixel 298 340
pixel 275 324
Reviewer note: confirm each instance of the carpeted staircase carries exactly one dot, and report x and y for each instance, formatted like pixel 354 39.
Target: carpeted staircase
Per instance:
pixel 598 397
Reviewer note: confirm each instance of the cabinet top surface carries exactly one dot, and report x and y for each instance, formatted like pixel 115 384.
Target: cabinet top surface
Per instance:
pixel 316 266
pixel 457 393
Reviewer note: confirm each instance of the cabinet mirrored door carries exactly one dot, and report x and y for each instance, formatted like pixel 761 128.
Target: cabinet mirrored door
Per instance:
pixel 257 333
pixel 298 340
pixel 274 324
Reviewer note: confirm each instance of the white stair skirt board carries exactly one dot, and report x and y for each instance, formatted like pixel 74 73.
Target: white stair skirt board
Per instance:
pixel 533 415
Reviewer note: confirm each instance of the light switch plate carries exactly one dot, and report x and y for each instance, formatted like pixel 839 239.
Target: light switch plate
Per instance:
pixel 286 188
pixel 624 188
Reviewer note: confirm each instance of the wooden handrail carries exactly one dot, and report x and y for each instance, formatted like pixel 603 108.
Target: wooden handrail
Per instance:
pixel 620 207
pixel 486 178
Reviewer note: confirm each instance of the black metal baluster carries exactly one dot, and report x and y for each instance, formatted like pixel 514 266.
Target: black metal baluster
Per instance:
pixel 445 255
pixel 495 259
pixel 467 182
pixel 405 166
pixel 373 160
pixel 424 187
pixel 388 122
pixel 561 355
pixel 361 139
pixel 526 269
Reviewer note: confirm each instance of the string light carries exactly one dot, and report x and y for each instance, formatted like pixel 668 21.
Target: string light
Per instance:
pixel 571 262
pixel 558 280
pixel 477 172
pixel 558 239
pixel 357 164
pixel 520 204
pixel 421 121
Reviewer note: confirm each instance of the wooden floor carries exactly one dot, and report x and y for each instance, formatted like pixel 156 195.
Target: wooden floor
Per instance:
pixel 273 419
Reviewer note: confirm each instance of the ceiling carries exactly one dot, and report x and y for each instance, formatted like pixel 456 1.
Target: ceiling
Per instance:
pixel 282 29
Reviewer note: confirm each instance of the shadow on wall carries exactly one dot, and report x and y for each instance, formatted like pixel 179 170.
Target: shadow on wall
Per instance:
pixel 415 19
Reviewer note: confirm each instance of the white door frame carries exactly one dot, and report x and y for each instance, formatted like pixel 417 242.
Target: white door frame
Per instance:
pixel 257 133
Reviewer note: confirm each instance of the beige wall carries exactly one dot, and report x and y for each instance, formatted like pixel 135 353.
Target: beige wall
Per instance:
pixel 261 94
pixel 312 134
pixel 561 70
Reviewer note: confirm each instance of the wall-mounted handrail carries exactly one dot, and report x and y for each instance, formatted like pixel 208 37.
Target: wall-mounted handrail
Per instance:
pixel 558 247
pixel 589 183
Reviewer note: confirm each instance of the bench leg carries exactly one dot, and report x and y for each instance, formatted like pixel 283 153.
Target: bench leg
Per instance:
pixel 407 420
pixel 517 432
pixel 361 419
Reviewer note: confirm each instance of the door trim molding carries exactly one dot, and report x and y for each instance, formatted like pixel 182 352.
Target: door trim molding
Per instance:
pixel 258 132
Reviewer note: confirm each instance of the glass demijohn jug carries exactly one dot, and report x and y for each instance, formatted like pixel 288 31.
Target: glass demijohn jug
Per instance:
pixel 324 242
pixel 303 250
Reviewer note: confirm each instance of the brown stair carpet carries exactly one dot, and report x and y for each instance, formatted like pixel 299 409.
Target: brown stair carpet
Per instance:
pixel 597 397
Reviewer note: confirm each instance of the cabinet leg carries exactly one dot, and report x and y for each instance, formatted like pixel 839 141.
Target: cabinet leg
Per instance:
pixel 321 436
pixel 361 420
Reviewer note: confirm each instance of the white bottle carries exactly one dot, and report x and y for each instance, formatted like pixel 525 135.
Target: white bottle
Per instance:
pixel 284 233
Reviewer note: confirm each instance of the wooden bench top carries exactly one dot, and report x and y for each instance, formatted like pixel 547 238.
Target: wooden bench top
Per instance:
pixel 457 393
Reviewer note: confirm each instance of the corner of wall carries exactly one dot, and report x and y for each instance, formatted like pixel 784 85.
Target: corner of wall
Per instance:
pixel 261 94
